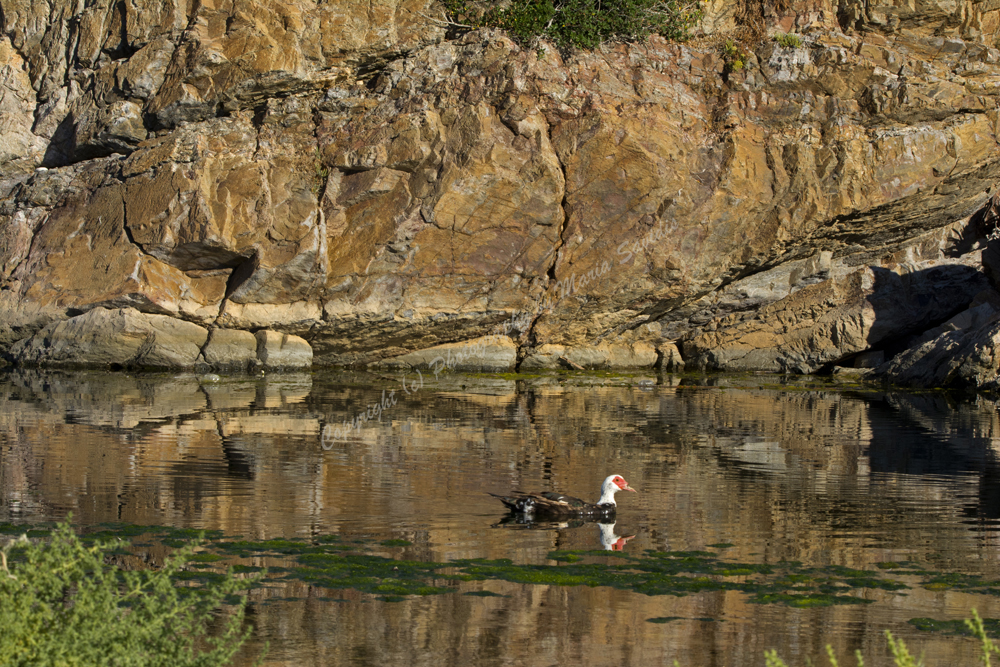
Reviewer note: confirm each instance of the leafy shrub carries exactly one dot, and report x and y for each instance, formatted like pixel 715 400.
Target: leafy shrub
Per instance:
pixel 734 56
pixel 62 605
pixel 584 24
pixel 788 40
pixel 901 656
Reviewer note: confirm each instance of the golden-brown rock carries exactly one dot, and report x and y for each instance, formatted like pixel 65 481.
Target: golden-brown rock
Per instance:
pixel 354 178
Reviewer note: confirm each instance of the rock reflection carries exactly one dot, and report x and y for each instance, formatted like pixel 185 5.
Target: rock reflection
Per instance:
pixel 779 471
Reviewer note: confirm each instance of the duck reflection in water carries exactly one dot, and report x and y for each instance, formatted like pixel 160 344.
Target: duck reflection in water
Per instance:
pixel 609 540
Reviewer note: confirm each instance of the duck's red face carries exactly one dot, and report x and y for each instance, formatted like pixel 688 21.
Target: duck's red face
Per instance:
pixel 622 484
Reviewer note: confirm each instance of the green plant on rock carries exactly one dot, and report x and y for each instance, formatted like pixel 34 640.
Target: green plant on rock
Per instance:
pixel 584 24
pixel 788 40
pixel 322 173
pixel 61 604
pixel 734 56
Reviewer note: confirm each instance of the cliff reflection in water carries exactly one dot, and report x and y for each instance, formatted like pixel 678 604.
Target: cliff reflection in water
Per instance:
pixel 793 472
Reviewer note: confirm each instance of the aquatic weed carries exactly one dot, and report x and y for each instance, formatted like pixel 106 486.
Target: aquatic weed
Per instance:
pixel 335 562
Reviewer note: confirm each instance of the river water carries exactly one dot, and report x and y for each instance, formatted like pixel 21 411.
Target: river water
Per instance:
pixel 763 468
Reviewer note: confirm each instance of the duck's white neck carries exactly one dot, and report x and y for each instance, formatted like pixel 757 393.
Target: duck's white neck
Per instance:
pixel 608 491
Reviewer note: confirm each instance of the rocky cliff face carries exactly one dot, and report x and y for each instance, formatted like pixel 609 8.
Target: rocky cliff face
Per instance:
pixel 354 176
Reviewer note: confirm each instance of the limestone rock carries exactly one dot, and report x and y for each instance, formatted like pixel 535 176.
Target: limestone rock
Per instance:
pixel 122 338
pixel 670 357
pixel 352 174
pixel 116 128
pixel 602 356
pixel 491 354
pixel 278 351
pixel 230 349
pixel 19 321
pixel 82 256
pixel 20 149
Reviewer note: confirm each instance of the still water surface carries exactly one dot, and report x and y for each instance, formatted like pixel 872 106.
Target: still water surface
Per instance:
pixel 780 470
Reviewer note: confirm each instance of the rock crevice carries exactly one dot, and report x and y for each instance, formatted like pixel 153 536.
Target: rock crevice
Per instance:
pixel 348 176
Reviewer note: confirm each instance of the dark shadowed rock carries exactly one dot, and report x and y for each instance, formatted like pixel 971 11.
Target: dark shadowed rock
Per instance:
pixel 962 352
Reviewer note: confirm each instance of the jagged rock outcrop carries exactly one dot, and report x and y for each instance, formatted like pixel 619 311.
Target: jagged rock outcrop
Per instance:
pixel 854 310
pixel 960 353
pixel 359 177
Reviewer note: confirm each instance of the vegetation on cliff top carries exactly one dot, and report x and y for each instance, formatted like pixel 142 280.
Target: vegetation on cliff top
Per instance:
pixel 584 24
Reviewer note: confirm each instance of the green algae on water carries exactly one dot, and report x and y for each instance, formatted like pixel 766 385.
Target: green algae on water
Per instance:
pixel 955 627
pixel 335 563
pixel 395 543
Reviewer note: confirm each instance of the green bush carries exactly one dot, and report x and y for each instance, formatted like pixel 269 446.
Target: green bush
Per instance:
pixel 584 24
pixel 62 605
pixel 788 40
pixel 901 656
pixel 734 56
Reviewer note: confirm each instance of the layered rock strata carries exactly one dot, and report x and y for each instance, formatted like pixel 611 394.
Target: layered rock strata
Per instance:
pixel 363 179
pixel 128 339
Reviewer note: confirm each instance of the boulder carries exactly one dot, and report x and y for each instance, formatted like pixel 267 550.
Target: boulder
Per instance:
pixel 230 349
pixel 490 354
pixel 601 356
pixel 116 128
pixel 120 338
pixel 277 351
pixel 964 352
pixel 670 357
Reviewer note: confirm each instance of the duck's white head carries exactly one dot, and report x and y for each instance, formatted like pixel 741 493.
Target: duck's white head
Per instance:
pixel 612 485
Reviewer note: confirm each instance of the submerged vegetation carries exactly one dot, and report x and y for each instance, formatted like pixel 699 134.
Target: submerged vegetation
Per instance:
pixel 334 562
pixel 584 24
pixel 63 603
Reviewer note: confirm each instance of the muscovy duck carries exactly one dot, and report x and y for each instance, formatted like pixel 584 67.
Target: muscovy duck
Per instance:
pixel 556 505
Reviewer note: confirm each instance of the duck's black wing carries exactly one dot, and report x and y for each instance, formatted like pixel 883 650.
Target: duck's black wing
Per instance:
pixel 552 504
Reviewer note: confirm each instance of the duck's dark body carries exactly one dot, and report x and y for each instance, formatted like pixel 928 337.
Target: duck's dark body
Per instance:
pixel 550 505
pixel 556 505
